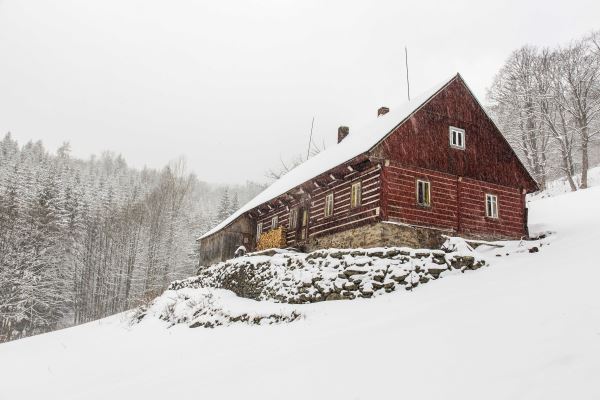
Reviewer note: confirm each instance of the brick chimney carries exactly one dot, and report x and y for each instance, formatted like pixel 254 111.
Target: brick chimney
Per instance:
pixel 382 111
pixel 343 131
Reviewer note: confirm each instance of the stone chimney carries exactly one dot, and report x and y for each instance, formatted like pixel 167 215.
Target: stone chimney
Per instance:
pixel 343 131
pixel 382 111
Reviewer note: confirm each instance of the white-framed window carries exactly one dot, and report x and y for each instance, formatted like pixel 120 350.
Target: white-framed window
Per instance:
pixel 329 205
pixel 491 205
pixel 274 222
pixel 355 195
pixel 259 230
pixel 457 138
pixel 423 193
pixel 293 218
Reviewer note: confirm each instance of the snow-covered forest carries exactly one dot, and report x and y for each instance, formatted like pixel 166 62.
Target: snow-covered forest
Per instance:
pixel 546 102
pixel 84 239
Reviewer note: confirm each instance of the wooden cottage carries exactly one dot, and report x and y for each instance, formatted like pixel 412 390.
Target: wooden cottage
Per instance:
pixel 437 165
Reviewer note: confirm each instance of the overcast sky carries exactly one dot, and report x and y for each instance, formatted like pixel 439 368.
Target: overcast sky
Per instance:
pixel 233 85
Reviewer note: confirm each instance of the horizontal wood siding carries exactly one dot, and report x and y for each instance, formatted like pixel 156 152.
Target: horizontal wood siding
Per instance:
pixel 402 201
pixel 345 217
pixel 423 141
pixel 511 210
pixel 457 205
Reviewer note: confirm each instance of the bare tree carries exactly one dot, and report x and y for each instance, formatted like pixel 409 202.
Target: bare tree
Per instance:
pixel 547 103
pixel 548 77
pixel 513 96
pixel 580 97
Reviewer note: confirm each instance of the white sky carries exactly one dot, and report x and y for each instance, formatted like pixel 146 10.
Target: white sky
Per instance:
pixel 233 85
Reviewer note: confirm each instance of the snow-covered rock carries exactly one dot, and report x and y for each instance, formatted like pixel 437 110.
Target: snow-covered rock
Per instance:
pixel 209 307
pixel 333 274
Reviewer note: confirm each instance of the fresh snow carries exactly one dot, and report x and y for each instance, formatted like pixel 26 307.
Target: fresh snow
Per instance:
pixel 210 307
pixel 561 185
pixel 358 141
pixel 527 327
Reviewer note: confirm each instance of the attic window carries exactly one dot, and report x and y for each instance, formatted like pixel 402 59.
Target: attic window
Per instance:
pixel 457 138
pixel 491 206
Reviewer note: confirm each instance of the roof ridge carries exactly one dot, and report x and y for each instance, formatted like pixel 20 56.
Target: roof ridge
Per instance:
pixel 350 147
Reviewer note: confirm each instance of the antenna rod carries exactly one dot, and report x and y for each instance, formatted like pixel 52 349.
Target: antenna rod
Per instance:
pixel 407 81
pixel 312 124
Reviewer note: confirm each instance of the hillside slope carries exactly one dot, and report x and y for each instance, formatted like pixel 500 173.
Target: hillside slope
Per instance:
pixel 527 327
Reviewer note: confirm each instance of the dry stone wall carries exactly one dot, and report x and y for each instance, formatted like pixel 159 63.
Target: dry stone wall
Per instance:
pixel 333 274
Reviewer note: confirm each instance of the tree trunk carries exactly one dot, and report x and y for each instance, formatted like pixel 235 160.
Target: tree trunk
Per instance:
pixel 584 160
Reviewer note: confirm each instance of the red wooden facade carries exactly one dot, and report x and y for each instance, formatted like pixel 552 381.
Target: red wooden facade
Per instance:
pixel 457 203
pixel 418 148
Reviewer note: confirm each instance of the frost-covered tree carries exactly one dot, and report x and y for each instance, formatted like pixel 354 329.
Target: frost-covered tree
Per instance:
pixel 80 240
pixel 235 204
pixel 224 206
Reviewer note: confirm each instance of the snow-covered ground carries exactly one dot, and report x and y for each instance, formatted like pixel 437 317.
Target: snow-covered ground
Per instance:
pixel 527 327
pixel 560 186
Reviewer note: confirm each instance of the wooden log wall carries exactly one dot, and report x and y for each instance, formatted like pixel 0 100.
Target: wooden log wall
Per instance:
pixel 282 211
pixel 401 197
pixel 511 210
pixel 345 217
pixel 457 204
pixel 423 141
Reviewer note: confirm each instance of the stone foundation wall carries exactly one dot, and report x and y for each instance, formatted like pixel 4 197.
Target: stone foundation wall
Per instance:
pixel 380 234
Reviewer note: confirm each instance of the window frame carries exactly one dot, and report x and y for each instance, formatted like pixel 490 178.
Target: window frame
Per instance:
pixel 329 202
pixel 461 142
pixel 492 211
pixel 275 222
pixel 259 231
pixel 304 218
pixel 293 218
pixel 358 202
pixel 426 184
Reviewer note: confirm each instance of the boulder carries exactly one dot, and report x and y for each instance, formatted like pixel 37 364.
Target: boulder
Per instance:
pixel 334 296
pixel 422 254
pixel 354 271
pixel 348 295
pixel 389 284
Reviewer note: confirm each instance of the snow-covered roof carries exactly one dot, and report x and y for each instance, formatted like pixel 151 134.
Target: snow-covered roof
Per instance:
pixel 359 141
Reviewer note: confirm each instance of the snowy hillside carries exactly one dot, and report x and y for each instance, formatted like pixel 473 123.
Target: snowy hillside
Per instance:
pixel 560 186
pixel 526 327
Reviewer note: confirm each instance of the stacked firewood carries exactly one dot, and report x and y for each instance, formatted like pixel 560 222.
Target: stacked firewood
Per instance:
pixel 275 238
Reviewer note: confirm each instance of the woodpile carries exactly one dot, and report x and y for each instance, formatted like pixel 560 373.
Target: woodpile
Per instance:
pixel 275 238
